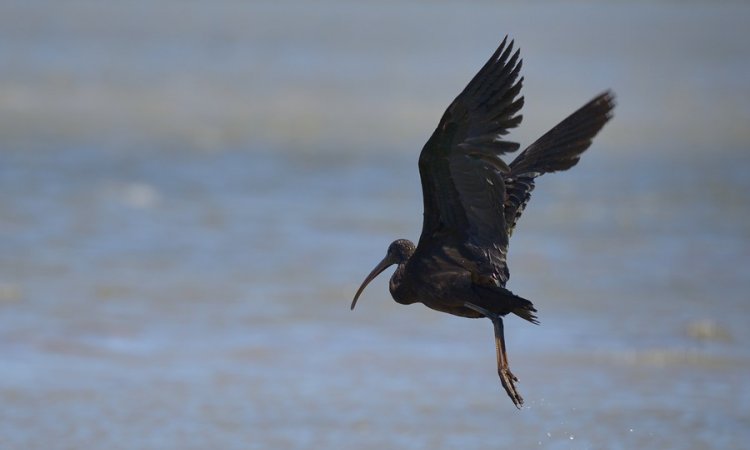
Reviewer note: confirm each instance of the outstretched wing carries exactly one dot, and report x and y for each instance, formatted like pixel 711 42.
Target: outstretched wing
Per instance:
pixel 461 170
pixel 558 149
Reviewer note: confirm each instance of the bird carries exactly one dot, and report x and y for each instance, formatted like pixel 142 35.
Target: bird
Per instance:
pixel 472 201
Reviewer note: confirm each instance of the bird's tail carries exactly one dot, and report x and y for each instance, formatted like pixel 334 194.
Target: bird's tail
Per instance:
pixel 525 310
pixel 502 301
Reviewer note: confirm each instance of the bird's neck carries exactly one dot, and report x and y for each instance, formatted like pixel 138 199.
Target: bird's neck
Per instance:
pixel 399 286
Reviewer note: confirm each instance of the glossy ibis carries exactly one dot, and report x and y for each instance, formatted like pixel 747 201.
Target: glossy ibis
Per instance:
pixel 472 200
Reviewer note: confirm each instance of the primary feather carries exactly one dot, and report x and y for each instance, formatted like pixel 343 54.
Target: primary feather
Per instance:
pixel 472 198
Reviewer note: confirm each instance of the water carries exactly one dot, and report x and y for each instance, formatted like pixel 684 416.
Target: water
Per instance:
pixel 191 193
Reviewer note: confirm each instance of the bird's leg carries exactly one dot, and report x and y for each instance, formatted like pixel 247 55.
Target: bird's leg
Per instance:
pixel 507 378
pixel 502 346
pixel 503 369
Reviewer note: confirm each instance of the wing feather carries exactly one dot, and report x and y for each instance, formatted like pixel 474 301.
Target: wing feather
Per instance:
pixel 558 149
pixel 461 169
pixel 472 198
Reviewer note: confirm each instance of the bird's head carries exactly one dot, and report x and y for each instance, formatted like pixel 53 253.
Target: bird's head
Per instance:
pixel 399 252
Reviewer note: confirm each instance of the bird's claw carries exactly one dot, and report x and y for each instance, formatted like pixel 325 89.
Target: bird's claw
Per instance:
pixel 507 379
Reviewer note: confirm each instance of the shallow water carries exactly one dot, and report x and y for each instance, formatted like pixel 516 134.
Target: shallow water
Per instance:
pixel 177 260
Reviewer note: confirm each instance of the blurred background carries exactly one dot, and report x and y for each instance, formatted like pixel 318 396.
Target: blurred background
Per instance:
pixel 191 192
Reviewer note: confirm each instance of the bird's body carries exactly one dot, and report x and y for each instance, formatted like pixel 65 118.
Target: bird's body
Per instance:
pixel 472 200
pixel 443 280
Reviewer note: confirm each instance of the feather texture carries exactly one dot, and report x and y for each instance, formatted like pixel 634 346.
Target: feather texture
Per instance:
pixel 472 198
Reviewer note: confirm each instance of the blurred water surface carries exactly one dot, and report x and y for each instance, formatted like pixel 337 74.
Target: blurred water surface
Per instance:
pixel 191 192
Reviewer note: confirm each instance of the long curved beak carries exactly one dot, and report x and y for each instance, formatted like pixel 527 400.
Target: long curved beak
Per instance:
pixel 382 265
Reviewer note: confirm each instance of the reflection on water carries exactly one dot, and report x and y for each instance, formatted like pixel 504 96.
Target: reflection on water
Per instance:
pixel 177 273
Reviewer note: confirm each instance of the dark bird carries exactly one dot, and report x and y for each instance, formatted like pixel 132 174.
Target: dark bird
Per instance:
pixel 472 201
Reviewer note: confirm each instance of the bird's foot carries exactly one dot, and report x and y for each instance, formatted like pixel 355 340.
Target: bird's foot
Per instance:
pixel 507 379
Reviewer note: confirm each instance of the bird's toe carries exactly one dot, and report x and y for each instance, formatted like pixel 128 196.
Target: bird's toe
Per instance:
pixel 507 379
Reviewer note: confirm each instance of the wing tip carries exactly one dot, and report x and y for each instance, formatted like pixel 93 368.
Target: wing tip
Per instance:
pixel 606 100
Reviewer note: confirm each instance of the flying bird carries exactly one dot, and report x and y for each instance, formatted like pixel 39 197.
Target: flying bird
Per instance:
pixel 473 199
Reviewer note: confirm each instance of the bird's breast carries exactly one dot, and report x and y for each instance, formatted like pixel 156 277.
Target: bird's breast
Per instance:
pixel 402 288
pixel 445 291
